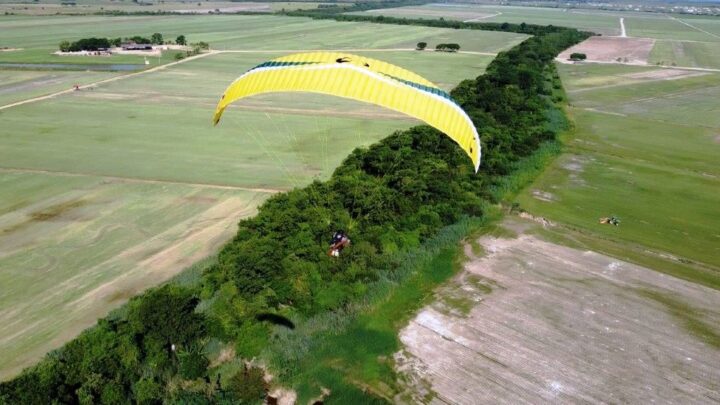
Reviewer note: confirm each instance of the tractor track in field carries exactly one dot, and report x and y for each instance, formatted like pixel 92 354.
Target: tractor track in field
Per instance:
pixel 140 180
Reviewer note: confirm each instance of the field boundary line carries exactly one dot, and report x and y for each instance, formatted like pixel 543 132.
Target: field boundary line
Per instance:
pixel 140 180
pixel 483 18
pixel 694 27
pixel 112 79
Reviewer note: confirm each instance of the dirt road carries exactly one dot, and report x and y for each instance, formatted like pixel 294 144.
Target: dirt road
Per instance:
pixel 535 322
pixel 112 79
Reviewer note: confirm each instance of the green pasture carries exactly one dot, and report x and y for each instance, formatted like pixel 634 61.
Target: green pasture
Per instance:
pixel 39 36
pixel 673 29
pixel 637 24
pixel 158 126
pixel 50 7
pixel 691 101
pixel 596 76
pixel 65 239
pixel 647 153
pixel 21 85
pixel 606 23
pixel 690 54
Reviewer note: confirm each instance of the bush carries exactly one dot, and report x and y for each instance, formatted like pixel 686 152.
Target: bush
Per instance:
pixel 575 56
pixel 248 385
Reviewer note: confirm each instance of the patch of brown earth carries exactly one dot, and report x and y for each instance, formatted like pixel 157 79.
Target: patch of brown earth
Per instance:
pixel 613 49
pixel 563 325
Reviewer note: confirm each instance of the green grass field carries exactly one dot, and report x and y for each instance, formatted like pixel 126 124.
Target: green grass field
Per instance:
pixel 672 28
pixel 645 151
pixel 20 85
pixel 606 23
pixel 637 24
pixel 110 190
pixel 39 36
pixel 691 54
pixel 50 7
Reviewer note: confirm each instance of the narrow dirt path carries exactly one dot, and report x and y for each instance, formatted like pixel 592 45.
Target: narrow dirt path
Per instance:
pixel 112 79
pixel 140 180
pixel 623 33
pixel 483 18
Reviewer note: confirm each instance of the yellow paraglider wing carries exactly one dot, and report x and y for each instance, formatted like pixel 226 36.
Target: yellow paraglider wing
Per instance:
pixel 362 79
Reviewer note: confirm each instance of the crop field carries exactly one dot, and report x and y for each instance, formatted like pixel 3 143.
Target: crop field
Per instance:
pixel 38 37
pixel 645 149
pixel 117 187
pixel 679 28
pixel 19 85
pixel 606 23
pixel 691 54
pixel 50 7
pixel 666 27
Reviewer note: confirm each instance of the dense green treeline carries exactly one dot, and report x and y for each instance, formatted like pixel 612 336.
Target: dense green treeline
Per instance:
pixel 339 13
pixel 391 198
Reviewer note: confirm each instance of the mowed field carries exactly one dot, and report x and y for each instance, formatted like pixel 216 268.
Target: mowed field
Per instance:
pixel 645 148
pixel 38 37
pixel 675 40
pixel 114 188
pixel 49 7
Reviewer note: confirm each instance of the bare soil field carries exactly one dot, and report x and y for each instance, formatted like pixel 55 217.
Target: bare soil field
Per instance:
pixel 613 49
pixel 534 322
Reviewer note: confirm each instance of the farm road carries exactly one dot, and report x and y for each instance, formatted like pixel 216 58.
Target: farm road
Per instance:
pixel 140 180
pixel 110 80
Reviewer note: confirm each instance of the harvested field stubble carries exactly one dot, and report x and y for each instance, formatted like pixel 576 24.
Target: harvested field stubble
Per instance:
pixel 571 326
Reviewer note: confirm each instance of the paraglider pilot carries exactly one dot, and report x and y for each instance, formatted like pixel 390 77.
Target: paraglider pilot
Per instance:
pixel 338 242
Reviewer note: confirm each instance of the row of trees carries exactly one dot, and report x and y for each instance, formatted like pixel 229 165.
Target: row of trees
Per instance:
pixel 93 44
pixel 439 47
pixel 390 198
pixel 447 47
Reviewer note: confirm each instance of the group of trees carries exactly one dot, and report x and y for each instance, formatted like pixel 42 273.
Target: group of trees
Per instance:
pixel 447 47
pixel 439 47
pixel 93 44
pixel 85 44
pixel 390 198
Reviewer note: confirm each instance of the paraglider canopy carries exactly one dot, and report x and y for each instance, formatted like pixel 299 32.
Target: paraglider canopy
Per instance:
pixel 363 79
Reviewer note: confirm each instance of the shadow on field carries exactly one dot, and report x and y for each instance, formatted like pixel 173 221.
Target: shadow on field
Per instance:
pixel 275 319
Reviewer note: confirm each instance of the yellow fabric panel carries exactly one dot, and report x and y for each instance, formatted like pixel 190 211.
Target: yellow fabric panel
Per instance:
pixel 373 64
pixel 352 79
